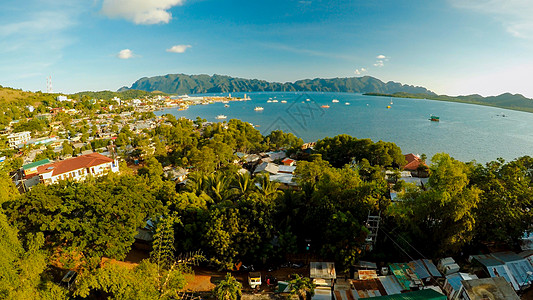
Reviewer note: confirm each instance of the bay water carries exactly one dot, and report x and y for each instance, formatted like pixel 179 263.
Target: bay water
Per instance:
pixel 465 131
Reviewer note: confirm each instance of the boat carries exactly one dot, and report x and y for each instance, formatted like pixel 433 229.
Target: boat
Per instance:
pixel 283 101
pixel 275 101
pixel 434 118
pixel 226 105
pixel 225 101
pixel 391 103
pixel 347 103
pixel 388 106
pixel 269 101
pixel 325 106
pixel 219 117
pixel 258 108
pixel 307 99
pixel 335 101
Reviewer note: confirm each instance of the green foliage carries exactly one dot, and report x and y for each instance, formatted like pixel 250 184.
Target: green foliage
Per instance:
pixel 197 84
pixel 146 281
pixel 277 139
pixel 163 245
pixel 302 287
pixel 442 218
pixel 228 289
pixel 95 219
pixel 344 149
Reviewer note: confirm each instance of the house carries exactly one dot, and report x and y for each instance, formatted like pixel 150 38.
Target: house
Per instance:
pixel 31 168
pixel 495 288
pixel 77 168
pixel 267 167
pixel 495 268
pixel 413 162
pixel 18 138
pixel 453 285
pixel 286 169
pixel 288 161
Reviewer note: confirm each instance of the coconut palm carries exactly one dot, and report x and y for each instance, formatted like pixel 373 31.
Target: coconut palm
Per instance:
pixel 228 289
pixel 302 287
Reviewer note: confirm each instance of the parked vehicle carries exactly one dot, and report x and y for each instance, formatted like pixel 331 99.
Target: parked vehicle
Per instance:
pixel 254 279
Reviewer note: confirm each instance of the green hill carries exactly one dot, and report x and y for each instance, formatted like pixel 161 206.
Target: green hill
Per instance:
pixel 506 100
pixel 195 84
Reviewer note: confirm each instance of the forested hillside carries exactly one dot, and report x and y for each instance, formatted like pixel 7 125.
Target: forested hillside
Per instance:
pixel 194 84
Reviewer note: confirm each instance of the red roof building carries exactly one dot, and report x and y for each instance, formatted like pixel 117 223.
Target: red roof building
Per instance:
pixel 77 168
pixel 413 162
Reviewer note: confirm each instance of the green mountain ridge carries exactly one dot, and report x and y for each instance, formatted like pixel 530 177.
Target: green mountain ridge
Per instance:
pixel 197 84
pixel 505 100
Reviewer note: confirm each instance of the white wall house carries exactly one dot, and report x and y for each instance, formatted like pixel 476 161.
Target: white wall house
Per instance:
pixel 77 168
pixel 18 138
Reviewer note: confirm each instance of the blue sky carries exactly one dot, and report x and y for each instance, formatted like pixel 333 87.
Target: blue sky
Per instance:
pixel 449 46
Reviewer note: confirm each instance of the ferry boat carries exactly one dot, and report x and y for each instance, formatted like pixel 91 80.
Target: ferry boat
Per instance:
pixel 325 106
pixel 434 118
pixel 220 117
pixel 258 108
pixel 335 101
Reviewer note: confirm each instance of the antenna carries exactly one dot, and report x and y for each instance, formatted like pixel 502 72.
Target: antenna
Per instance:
pixel 49 84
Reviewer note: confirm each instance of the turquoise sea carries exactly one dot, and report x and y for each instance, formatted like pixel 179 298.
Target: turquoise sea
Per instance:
pixel 467 132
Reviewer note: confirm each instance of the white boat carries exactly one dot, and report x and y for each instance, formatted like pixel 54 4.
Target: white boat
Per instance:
pixel 225 101
pixel 307 99
pixel 258 108
pixel 335 101
pixel 219 117
pixel 226 105
pixel 283 101
pixel 275 101
pixel 268 101
pixel 347 103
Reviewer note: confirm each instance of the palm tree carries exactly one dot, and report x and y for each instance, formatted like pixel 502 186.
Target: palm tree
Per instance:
pixel 244 184
pixel 302 287
pixel 267 187
pixel 228 289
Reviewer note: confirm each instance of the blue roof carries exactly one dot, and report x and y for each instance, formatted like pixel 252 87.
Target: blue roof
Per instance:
pixel 432 268
pixel 419 268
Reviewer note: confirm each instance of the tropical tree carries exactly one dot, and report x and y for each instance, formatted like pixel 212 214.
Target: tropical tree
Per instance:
pixel 302 287
pixel 228 289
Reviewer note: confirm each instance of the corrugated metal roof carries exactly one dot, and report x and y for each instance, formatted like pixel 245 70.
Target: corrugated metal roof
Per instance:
pixel 432 268
pixel 518 266
pixel 489 288
pixel 417 295
pixel 36 164
pixel 325 270
pixel 390 284
pixel 418 267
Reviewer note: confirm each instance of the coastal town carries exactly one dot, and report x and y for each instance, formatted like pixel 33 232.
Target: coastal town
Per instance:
pixel 71 144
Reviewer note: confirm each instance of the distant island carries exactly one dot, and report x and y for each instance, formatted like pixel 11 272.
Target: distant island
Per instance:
pixel 506 100
pixel 198 84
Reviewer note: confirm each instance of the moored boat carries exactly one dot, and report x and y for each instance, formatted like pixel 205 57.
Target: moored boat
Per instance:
pixel 335 101
pixel 325 106
pixel 434 118
pixel 258 108
pixel 220 117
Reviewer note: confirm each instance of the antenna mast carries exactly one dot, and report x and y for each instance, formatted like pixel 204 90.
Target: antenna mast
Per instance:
pixel 49 84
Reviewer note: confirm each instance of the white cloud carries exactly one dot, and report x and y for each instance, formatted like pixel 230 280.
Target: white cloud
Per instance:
pixel 379 64
pixel 125 54
pixel 514 15
pixel 140 11
pixel 179 48
pixel 381 57
pixel 359 71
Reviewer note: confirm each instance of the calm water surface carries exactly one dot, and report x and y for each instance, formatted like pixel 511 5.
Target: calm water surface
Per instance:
pixel 467 132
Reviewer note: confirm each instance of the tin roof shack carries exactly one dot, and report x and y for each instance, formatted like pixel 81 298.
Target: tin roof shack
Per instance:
pixel 405 276
pixel 453 285
pixel 428 294
pixel 344 290
pixel 520 267
pixel 448 266
pixel 368 288
pixel 495 268
pixel 323 275
pixel 488 288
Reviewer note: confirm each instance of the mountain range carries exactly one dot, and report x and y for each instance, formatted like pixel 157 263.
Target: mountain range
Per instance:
pixel 197 84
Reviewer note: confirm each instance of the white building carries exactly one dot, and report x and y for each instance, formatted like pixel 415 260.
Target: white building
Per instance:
pixel 77 168
pixel 18 138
